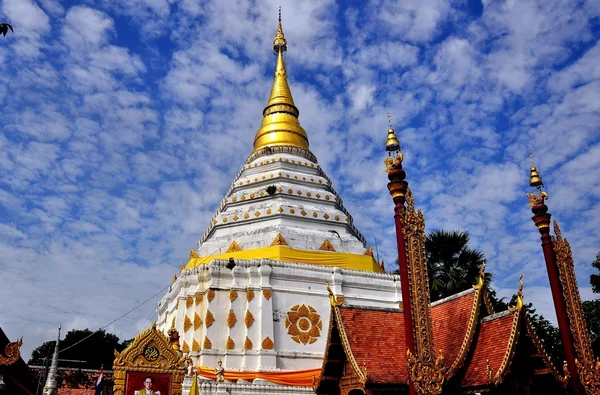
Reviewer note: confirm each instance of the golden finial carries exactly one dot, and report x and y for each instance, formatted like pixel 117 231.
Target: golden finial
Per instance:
pixel 280 43
pixel 392 145
pixel 519 304
pixel 535 180
pixel 481 278
pixel 280 125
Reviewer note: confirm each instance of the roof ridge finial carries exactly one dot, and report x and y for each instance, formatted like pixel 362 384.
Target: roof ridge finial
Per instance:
pixel 280 43
pixel 389 117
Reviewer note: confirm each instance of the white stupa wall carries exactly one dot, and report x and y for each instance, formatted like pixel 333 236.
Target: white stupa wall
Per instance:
pixel 278 287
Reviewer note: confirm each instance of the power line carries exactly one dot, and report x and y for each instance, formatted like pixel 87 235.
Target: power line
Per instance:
pixel 131 310
pixel 117 319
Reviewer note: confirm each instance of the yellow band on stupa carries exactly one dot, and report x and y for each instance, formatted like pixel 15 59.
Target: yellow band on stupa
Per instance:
pixel 344 260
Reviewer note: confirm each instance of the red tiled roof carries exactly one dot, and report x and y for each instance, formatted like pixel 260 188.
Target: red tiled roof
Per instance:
pixel 376 339
pixel 450 321
pixel 491 343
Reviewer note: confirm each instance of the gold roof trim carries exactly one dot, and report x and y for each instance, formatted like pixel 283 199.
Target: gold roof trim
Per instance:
pixel 362 375
pixel 466 344
pixel 514 334
pixel 564 380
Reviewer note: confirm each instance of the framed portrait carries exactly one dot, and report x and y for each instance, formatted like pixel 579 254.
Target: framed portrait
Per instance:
pixel 138 383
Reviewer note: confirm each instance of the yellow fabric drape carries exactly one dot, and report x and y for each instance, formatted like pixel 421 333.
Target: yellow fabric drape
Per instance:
pixel 194 390
pixel 345 260
pixel 300 378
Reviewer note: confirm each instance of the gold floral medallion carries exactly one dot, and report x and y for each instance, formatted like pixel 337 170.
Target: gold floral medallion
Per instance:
pixel 303 324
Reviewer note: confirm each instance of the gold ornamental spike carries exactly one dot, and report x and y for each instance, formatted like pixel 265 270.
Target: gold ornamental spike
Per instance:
pixel 535 180
pixel 280 125
pixel 392 144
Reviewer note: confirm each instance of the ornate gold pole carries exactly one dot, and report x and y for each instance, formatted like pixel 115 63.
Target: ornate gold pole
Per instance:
pixel 541 219
pixel 398 187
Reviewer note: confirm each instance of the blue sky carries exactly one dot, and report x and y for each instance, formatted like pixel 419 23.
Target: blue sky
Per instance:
pixel 124 123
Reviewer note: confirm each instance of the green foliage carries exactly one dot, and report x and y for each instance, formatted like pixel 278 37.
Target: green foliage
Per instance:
pixel 452 266
pixel 549 335
pixel 591 311
pixel 96 351
pixel 595 278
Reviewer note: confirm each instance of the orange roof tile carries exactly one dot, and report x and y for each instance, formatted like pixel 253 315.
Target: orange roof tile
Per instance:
pixel 491 343
pixel 450 321
pixel 376 338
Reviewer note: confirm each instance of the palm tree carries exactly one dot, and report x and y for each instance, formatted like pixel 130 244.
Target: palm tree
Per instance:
pixel 4 28
pixel 452 265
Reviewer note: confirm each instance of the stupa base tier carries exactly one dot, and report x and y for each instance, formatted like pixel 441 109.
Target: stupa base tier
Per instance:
pixel 263 315
pixel 243 387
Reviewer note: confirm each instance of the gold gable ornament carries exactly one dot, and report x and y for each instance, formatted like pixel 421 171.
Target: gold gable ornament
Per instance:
pixel 151 353
pixel 233 247
pixel 327 246
pixel 279 240
pixel 12 352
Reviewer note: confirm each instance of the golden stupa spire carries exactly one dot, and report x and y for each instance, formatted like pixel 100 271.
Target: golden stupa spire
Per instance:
pixel 280 125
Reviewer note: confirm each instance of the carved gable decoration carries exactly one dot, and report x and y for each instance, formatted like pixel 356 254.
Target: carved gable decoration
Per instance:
pixel 327 246
pixel 150 352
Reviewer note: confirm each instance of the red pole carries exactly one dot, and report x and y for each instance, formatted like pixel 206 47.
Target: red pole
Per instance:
pixel 541 219
pixel 397 187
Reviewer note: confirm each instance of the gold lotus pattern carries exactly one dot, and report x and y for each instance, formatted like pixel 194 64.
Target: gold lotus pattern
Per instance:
pixel 303 324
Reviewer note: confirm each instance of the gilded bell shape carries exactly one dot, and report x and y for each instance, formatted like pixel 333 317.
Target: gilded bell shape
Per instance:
pixel 392 144
pixel 534 178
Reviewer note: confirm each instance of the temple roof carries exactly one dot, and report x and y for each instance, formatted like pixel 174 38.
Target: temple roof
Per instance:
pixel 478 351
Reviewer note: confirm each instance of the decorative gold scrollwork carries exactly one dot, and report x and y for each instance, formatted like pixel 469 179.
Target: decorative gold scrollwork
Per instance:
pixel 393 163
pixel 12 352
pixel 427 376
pixel 539 199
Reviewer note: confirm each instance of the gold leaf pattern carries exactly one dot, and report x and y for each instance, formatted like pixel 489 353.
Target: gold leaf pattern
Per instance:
pixel 195 346
pixel 189 301
pixel 187 324
pixel 197 321
pixel 267 344
pixel 210 295
pixel 210 319
pixel 230 345
pixel 207 343
pixel 231 319
pixel 233 295
pixel 247 344
pixel 267 293
pixel 185 348
pixel 248 319
pixel 199 298
pixel 249 295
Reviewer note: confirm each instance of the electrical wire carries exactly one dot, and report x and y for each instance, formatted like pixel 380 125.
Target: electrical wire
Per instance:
pixel 123 315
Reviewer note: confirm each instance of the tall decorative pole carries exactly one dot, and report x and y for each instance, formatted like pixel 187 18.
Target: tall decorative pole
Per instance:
pixel 51 386
pixel 541 219
pixel 398 187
